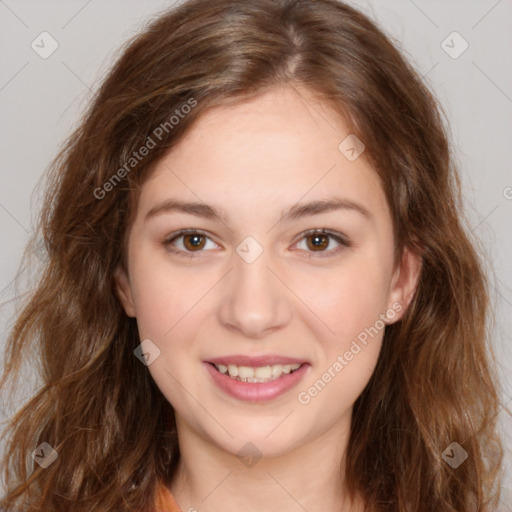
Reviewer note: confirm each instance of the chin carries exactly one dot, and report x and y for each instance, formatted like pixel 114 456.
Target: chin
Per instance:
pixel 260 440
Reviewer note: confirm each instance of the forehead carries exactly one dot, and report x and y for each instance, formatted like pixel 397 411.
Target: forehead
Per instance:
pixel 282 147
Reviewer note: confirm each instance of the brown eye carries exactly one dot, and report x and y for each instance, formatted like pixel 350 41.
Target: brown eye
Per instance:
pixel 189 243
pixel 194 241
pixel 324 243
pixel 318 242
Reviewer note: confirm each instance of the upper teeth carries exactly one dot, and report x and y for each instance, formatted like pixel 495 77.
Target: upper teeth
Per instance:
pixel 258 374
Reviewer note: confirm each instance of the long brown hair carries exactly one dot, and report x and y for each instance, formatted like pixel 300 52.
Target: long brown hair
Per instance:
pixel 99 408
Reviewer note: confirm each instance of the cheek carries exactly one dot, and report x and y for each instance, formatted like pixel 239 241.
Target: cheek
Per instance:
pixel 168 306
pixel 351 305
pixel 157 308
pixel 352 299
pixel 351 302
pixel 164 295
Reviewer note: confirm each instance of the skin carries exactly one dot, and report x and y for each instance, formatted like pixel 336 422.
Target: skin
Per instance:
pixel 256 160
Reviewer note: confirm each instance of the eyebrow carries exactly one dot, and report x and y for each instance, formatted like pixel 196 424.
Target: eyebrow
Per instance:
pixel 295 212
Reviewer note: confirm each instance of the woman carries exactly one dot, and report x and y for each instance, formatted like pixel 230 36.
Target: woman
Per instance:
pixel 259 292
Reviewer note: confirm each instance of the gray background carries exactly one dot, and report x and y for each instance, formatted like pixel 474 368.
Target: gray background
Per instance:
pixel 41 101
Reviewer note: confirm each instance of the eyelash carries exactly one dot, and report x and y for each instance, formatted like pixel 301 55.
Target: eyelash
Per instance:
pixel 344 242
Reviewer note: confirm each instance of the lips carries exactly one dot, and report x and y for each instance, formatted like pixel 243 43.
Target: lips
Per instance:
pixel 256 389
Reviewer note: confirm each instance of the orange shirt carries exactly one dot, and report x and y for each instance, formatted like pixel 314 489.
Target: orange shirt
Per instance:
pixel 165 501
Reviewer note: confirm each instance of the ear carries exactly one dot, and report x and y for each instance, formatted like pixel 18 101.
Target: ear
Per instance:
pixel 404 283
pixel 124 291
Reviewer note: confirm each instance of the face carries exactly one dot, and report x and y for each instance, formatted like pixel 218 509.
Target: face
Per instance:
pixel 285 276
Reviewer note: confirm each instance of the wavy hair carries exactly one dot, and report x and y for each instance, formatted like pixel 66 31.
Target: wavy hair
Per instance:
pixel 435 382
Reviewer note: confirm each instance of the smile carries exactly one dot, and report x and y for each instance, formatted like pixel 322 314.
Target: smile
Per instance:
pixel 256 382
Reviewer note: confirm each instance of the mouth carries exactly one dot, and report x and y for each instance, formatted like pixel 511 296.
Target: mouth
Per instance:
pixel 256 379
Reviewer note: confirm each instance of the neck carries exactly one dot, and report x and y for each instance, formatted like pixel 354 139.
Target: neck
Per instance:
pixel 309 477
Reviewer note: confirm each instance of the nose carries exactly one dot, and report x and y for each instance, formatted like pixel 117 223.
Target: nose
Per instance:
pixel 255 301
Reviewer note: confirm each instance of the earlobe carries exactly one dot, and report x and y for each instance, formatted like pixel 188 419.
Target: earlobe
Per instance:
pixel 405 281
pixel 124 291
